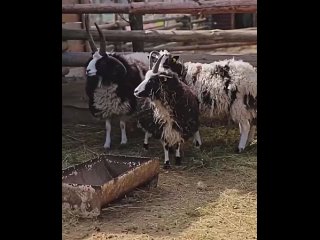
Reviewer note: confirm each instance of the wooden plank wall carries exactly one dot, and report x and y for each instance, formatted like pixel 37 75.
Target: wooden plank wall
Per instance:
pixel 73 21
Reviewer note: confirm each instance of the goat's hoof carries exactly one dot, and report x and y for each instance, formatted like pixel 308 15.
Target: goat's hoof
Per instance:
pixel 239 150
pixel 167 165
pixel 178 161
pixel 145 146
pixel 107 147
pixel 121 146
pixel 198 147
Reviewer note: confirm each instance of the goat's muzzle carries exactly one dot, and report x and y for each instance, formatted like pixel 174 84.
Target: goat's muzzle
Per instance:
pixel 136 93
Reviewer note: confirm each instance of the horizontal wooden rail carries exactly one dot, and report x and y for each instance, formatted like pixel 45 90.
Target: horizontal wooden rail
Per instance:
pixel 235 35
pixel 175 25
pixel 119 24
pixel 200 7
pixel 201 47
pixel 79 59
pixel 198 20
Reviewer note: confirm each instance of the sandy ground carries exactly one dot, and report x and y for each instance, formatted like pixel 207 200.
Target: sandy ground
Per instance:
pixel 212 196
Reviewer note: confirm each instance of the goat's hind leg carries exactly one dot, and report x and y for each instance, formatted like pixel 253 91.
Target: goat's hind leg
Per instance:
pixel 252 131
pixel 147 135
pixel 244 130
pixel 107 143
pixel 166 155
pixel 178 154
pixel 124 139
pixel 197 139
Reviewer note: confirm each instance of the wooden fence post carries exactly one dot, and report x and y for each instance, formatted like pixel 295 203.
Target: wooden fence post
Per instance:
pixel 186 20
pixel 136 23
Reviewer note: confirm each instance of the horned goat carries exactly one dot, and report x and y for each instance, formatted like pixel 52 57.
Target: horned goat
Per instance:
pixel 225 88
pixel 111 80
pixel 174 106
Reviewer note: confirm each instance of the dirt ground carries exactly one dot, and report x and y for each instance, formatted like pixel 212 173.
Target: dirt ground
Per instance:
pixel 211 196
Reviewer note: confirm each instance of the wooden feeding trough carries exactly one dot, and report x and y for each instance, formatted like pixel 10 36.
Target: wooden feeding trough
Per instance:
pixel 89 186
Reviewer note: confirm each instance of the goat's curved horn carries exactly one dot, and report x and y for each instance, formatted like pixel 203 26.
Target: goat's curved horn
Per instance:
pixel 91 42
pixel 156 66
pixel 103 47
pixel 150 58
pixel 120 63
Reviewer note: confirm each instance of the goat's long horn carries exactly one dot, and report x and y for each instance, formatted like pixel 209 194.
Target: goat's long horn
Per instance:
pixel 91 42
pixel 150 58
pixel 103 47
pixel 156 66
pixel 120 63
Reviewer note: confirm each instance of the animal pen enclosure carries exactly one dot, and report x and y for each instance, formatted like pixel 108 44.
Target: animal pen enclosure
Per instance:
pixel 179 29
pixel 213 196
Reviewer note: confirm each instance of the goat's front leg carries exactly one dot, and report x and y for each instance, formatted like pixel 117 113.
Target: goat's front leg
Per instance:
pixel 197 139
pixel 107 143
pixel 166 155
pixel 146 140
pixel 178 155
pixel 251 134
pixel 252 131
pixel 244 130
pixel 124 139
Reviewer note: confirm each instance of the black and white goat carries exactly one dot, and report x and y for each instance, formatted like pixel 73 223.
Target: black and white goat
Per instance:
pixel 224 88
pixel 152 128
pixel 111 80
pixel 175 107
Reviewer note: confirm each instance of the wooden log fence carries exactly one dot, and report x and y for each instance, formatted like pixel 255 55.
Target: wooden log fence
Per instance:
pixel 176 25
pixel 79 59
pixel 180 46
pixel 199 7
pixel 120 24
pixel 234 35
pixel 200 28
pixel 191 34
pixel 198 20
pixel 201 47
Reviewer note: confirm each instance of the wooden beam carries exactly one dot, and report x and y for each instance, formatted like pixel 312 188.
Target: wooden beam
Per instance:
pixel 162 46
pixel 235 35
pixel 203 47
pixel 79 59
pixel 120 24
pixel 160 19
pixel 64 46
pixel 136 23
pixel 176 25
pixel 200 7
pixel 232 15
pixel 198 20
pixel 200 27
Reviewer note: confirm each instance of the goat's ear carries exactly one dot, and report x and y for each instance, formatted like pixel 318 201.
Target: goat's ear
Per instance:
pixel 199 67
pixel 175 58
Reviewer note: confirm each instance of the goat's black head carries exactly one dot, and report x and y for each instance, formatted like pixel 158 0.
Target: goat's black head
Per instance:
pixel 169 63
pixel 156 82
pixel 173 63
pixel 108 67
